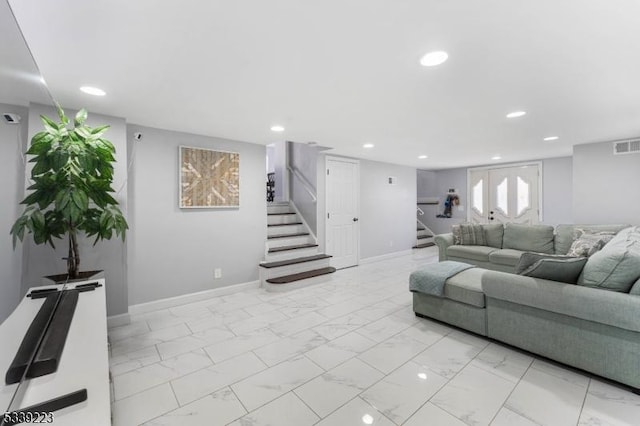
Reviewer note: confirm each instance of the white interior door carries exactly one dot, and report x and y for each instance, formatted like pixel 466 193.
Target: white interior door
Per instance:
pixel 478 196
pixel 342 230
pixel 514 195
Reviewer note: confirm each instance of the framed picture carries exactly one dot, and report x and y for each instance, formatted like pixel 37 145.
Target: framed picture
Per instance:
pixel 209 179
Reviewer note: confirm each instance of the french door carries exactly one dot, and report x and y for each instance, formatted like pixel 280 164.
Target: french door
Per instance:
pixel 505 194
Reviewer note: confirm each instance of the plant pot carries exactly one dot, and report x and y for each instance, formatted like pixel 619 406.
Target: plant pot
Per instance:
pixel 62 278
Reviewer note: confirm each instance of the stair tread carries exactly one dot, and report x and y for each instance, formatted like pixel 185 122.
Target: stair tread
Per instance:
pixel 420 237
pixel 285 224
pixel 301 275
pixel 280 214
pixel 286 248
pixel 299 234
pixel 424 245
pixel 295 261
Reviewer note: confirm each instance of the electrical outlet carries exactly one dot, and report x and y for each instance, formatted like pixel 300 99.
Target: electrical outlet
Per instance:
pixel 217 273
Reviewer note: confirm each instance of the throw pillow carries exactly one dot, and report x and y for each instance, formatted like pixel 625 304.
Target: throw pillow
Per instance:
pixel 586 245
pixel 562 270
pixel 469 234
pixel 528 259
pixel 617 268
pixel 605 236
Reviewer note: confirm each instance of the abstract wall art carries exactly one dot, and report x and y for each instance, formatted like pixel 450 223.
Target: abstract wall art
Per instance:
pixel 209 179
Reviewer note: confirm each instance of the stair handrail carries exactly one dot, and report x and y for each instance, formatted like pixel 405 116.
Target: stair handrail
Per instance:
pixel 420 211
pixel 305 183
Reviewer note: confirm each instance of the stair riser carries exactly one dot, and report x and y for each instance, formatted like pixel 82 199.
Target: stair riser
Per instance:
pixel 293 241
pixel 290 254
pixel 279 209
pixel 267 273
pixel 424 240
pixel 297 284
pixel 277 220
pixel 423 232
pixel 282 230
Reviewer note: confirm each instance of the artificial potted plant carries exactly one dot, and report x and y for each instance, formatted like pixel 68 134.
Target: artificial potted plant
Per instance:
pixel 71 188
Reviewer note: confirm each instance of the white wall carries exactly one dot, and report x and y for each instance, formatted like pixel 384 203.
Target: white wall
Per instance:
pixel 107 255
pixel 304 158
pixel 174 251
pixel 605 186
pixel 557 184
pixel 12 143
pixel 280 170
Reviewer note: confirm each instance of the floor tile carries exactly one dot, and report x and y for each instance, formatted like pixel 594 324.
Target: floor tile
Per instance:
pixel 269 384
pixel 151 338
pixel 240 344
pixel 610 405
pixel 129 330
pixel 447 356
pixel 336 327
pixel 356 412
pixel 216 409
pixel 403 392
pixel 288 347
pixel 383 328
pixel 506 417
pixel 152 375
pixel 287 410
pixel 474 396
pixel 144 406
pixel 339 350
pixel 538 389
pixel 430 414
pixel 193 386
pixel 132 360
pixel 337 386
pixel 295 325
pixel 504 362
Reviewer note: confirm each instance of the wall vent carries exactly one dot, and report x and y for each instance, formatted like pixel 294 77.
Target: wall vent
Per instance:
pixel 631 146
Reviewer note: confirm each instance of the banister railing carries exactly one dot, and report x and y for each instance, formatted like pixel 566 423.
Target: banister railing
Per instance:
pixel 305 183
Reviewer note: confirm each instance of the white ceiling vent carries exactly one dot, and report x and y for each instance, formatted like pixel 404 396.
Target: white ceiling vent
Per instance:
pixel 631 146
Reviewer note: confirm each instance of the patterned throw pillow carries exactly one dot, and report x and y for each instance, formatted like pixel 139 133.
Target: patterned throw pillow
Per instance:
pixel 605 236
pixel 468 234
pixel 586 245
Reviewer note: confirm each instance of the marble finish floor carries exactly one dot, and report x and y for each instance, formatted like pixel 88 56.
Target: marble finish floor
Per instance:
pixel 348 351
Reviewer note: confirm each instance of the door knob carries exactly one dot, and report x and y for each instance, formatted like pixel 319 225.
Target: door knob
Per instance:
pixel 490 217
pixel 355 219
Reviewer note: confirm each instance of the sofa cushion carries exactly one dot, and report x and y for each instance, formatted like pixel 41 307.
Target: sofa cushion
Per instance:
pixel 470 252
pixel 494 233
pixel 537 238
pixel 617 266
pixel 565 234
pixel 466 287
pixel 635 290
pixel 528 259
pixel 468 234
pixel 562 270
pixel 508 257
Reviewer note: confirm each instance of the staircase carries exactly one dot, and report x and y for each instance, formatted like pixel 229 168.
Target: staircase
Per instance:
pixel 292 259
pixel 424 237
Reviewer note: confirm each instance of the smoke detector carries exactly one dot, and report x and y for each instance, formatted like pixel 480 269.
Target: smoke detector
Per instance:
pixel 11 118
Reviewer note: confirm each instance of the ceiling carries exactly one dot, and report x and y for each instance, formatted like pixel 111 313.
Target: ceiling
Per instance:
pixel 346 73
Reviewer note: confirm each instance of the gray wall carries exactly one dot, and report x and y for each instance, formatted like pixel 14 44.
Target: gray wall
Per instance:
pixel 12 142
pixel 280 170
pixel 557 187
pixel 174 252
pixel 304 158
pixel 605 186
pixel 107 255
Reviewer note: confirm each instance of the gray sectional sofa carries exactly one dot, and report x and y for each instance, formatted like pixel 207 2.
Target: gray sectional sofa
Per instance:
pixel 580 325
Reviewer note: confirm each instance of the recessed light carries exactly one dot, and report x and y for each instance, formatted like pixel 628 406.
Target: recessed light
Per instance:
pixel 367 419
pixel 95 91
pixel 368 145
pixel 277 128
pixel 550 138
pixel 496 157
pixel 516 114
pixel 432 59
pixel 422 157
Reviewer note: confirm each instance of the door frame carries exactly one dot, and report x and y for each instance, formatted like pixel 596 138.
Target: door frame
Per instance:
pixel 508 166
pixel 328 158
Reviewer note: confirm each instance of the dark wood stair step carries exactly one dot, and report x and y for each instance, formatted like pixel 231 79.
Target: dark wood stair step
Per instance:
pixel 286 224
pixel 422 237
pixel 295 261
pixel 280 214
pixel 301 276
pixel 286 248
pixel 423 245
pixel 299 234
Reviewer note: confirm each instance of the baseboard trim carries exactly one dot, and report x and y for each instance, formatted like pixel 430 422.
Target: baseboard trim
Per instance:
pixel 170 302
pixel 384 256
pixel 118 320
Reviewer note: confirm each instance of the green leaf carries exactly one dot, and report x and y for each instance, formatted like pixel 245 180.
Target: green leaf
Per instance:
pixel 49 125
pixel 81 117
pixel 63 118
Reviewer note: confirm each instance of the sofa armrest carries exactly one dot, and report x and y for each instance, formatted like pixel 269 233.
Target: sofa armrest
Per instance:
pixel 443 241
pixel 607 307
